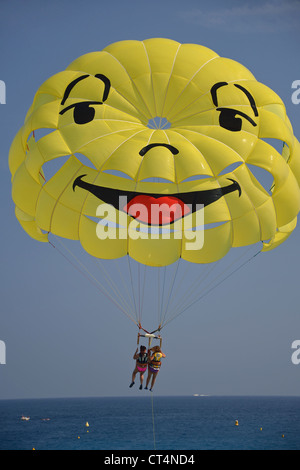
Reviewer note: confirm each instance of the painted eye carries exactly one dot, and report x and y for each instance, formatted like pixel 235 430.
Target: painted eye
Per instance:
pixel 83 113
pixel 229 121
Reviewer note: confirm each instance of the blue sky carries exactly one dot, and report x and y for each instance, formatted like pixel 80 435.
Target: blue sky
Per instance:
pixel 65 339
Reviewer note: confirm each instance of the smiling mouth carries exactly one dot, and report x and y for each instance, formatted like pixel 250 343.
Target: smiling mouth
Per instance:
pixel 156 209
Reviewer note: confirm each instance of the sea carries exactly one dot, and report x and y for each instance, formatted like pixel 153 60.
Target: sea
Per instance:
pixel 151 423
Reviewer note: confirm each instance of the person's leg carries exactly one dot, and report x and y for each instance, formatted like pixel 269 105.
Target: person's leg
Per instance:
pixel 134 374
pixel 148 378
pixel 141 379
pixel 133 377
pixel 154 375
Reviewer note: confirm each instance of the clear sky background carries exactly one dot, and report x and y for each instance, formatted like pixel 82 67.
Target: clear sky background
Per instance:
pixel 63 338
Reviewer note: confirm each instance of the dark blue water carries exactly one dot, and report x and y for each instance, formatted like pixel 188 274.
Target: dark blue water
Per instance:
pixel 152 422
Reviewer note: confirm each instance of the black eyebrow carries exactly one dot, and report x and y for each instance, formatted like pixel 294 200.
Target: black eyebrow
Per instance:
pixel 215 87
pixel 101 77
pixel 70 86
pixel 213 91
pixel 249 96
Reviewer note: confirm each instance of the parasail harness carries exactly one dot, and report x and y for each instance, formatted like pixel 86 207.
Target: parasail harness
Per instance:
pixel 149 335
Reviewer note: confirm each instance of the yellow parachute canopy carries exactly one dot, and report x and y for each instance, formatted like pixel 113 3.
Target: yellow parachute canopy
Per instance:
pixel 154 146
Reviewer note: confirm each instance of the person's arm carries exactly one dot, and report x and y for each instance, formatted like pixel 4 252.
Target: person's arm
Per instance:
pixel 150 358
pixel 135 356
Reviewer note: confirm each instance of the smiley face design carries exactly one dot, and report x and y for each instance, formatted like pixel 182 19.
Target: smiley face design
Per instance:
pixel 144 137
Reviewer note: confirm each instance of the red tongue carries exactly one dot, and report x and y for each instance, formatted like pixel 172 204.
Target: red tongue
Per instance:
pixel 156 211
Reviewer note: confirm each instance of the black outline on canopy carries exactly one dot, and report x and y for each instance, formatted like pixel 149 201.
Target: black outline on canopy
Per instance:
pixel 71 85
pixel 192 199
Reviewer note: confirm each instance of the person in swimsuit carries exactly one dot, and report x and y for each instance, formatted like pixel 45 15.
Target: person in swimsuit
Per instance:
pixel 141 359
pixel 155 355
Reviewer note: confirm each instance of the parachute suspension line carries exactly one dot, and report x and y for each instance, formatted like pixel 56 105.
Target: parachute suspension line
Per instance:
pixel 125 284
pixel 162 297
pixel 180 303
pixel 183 306
pixel 141 288
pixel 159 295
pixel 113 286
pixel 139 293
pixel 141 282
pixel 205 290
pixel 142 294
pixel 165 310
pixel 133 293
pixel 212 288
pixel 85 272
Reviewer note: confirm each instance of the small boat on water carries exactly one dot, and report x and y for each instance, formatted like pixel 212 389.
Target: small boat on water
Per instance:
pixel 25 418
